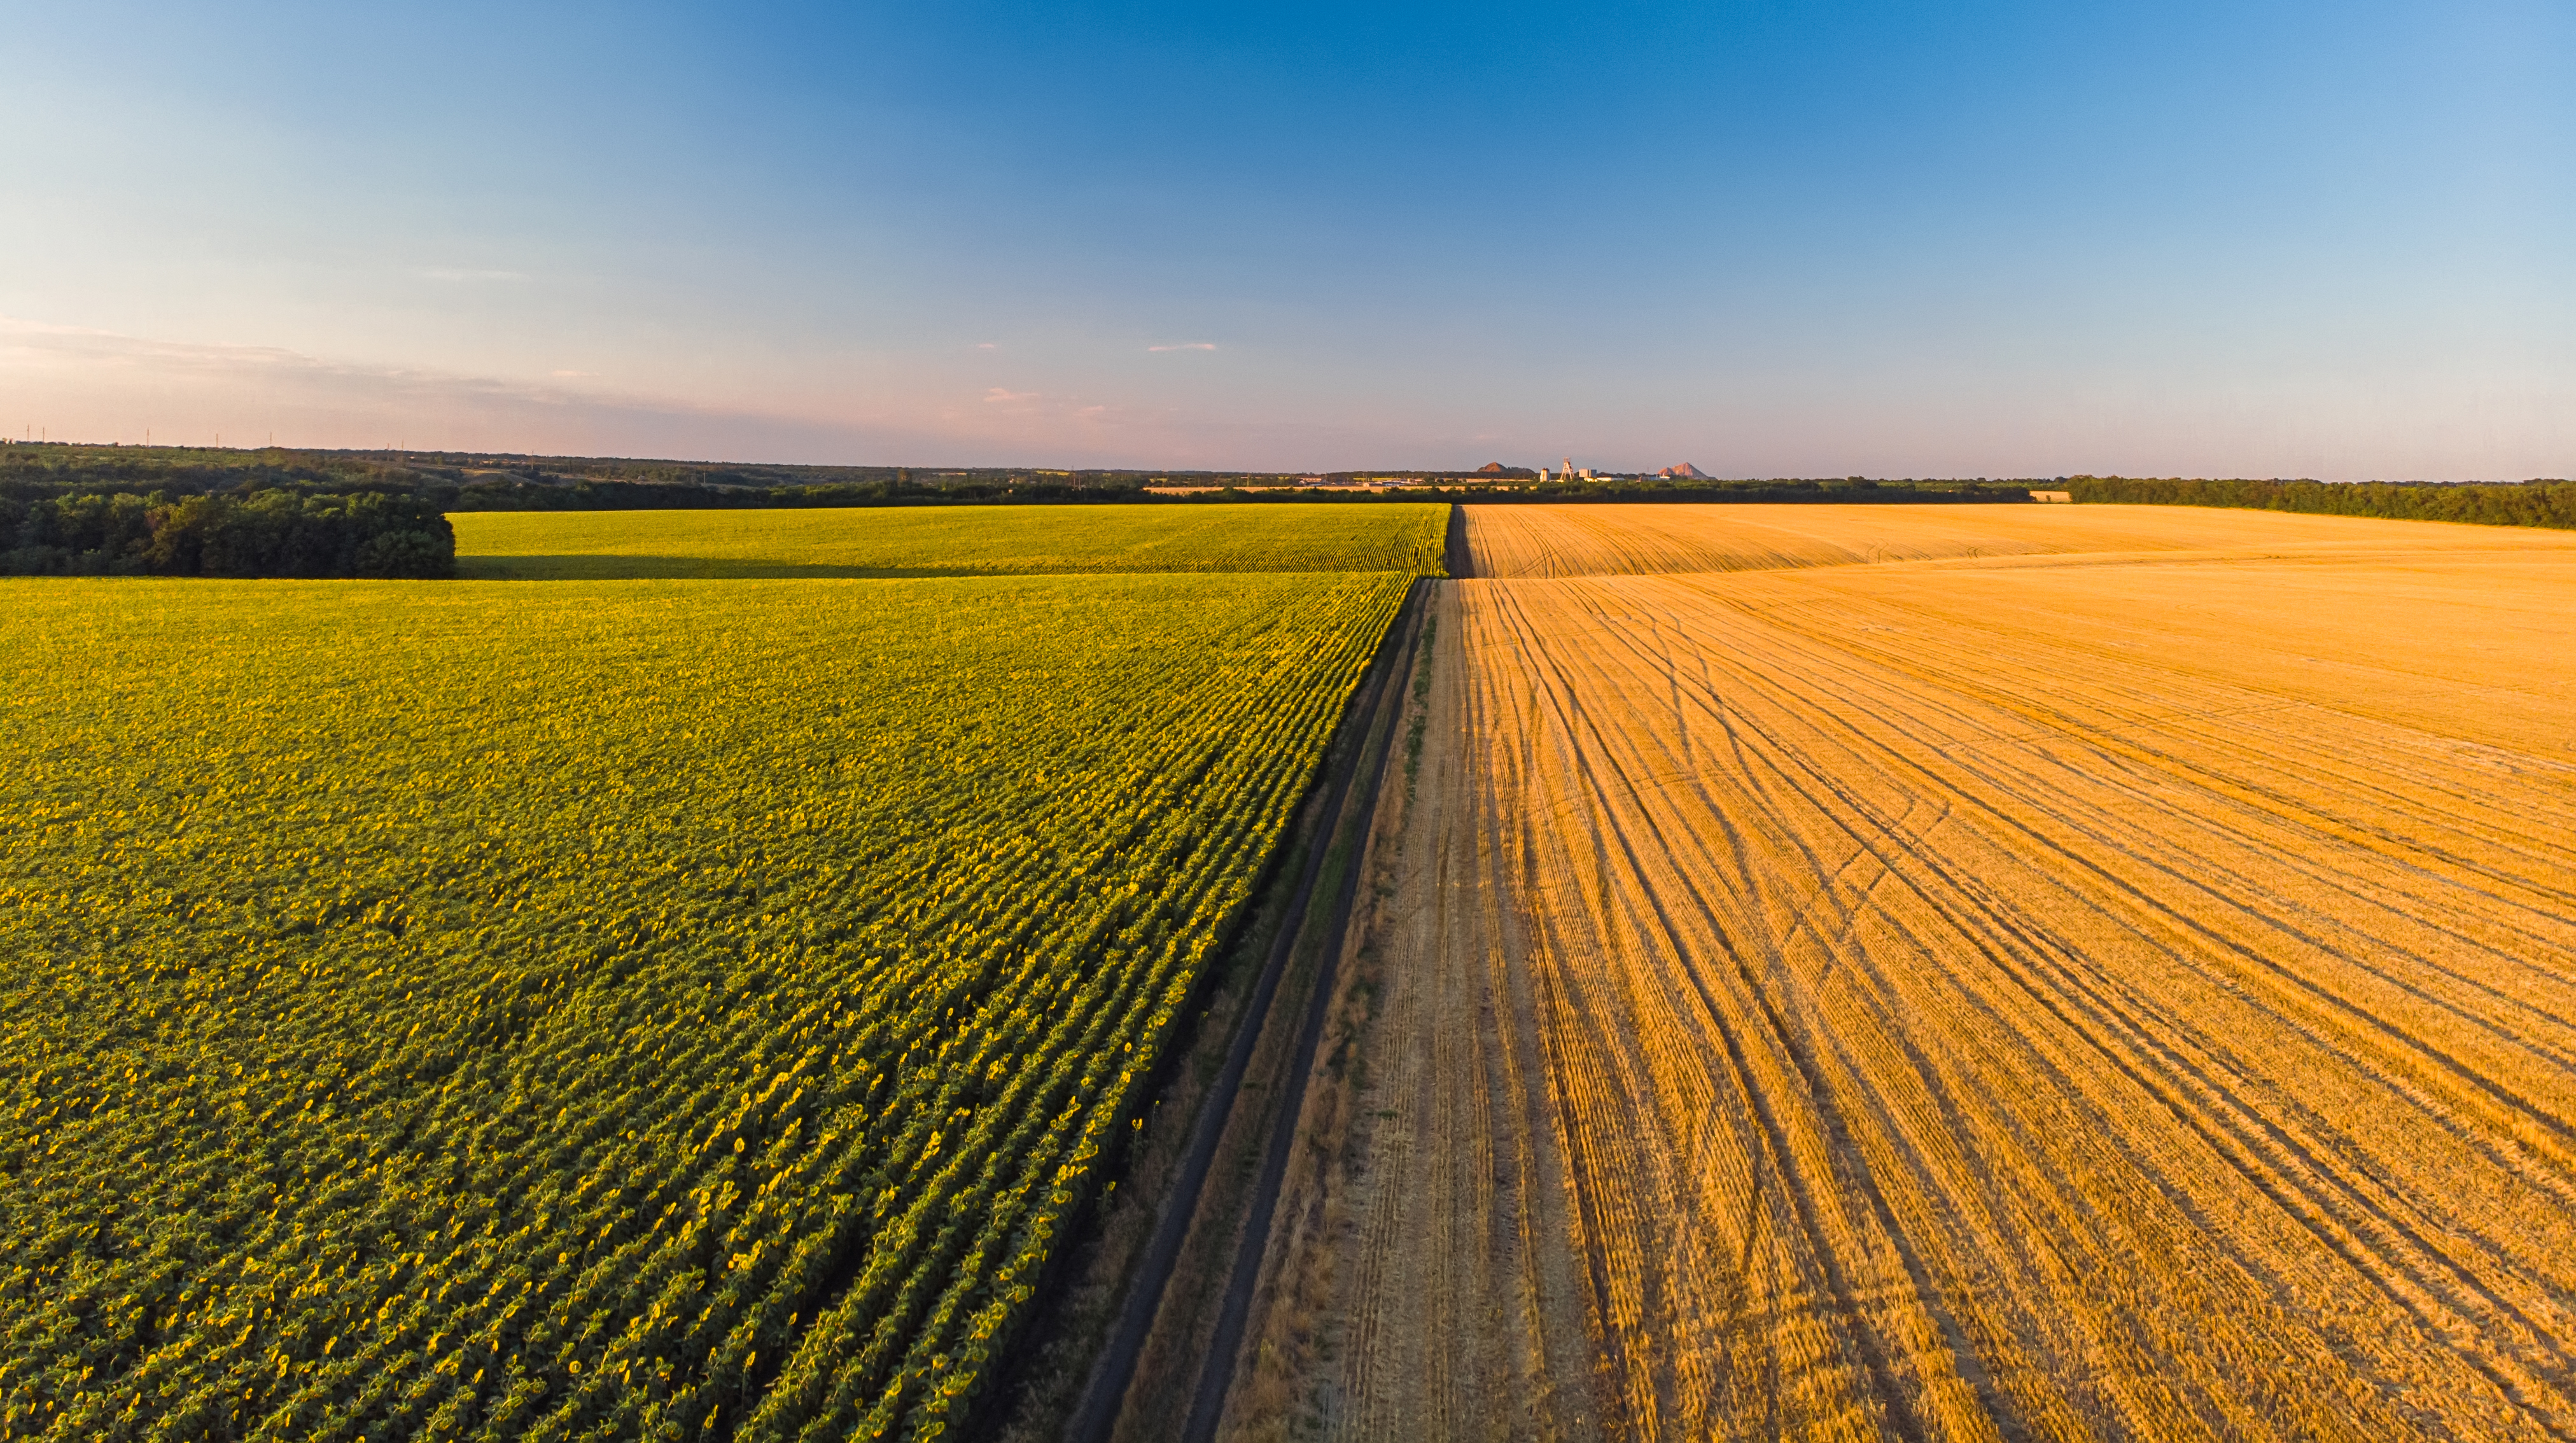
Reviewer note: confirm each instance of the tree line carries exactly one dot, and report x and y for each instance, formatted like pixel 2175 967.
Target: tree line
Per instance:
pixel 2529 503
pixel 263 533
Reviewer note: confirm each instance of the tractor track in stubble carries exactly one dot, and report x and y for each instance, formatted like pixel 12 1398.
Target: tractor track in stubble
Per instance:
pixel 2337 1210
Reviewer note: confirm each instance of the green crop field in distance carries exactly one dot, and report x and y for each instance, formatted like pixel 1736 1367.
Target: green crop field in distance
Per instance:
pixel 642 1009
pixel 951 540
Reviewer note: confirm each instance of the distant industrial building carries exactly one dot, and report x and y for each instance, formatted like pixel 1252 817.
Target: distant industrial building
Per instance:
pixel 1682 471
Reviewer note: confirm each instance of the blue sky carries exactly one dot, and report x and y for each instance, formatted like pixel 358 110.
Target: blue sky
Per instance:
pixel 1770 239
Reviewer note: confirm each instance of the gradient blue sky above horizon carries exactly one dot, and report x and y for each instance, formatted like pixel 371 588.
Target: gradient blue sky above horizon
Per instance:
pixel 1769 239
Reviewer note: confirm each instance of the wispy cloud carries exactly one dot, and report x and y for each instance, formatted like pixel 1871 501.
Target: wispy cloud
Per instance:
pixel 95 385
pixel 1186 346
pixel 460 273
pixel 85 384
pixel 987 346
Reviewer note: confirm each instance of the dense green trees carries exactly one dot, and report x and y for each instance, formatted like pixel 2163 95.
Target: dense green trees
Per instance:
pixel 2533 503
pixel 267 533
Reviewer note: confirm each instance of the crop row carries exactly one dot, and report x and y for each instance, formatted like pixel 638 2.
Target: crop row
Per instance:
pixel 625 1012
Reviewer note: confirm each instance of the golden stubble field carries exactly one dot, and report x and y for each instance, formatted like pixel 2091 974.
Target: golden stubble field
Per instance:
pixel 2109 976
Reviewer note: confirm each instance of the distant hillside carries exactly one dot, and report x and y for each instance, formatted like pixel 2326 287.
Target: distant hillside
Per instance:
pixel 488 481
pixel 473 481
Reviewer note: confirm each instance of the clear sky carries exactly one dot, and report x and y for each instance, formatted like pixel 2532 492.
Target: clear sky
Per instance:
pixel 2242 238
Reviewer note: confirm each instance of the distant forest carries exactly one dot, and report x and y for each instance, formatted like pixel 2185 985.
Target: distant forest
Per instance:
pixel 2529 503
pixel 486 482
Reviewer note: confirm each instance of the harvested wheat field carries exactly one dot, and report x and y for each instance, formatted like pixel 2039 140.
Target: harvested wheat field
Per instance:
pixel 1627 540
pixel 2123 989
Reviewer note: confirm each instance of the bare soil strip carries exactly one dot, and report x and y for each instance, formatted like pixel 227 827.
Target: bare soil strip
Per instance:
pixel 2048 996
pixel 1460 558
